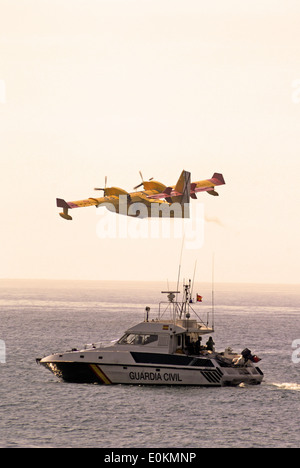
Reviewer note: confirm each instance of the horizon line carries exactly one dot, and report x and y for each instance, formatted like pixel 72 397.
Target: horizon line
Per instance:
pixel 148 281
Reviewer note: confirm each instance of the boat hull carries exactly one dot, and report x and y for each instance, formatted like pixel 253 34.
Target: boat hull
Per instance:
pixel 108 374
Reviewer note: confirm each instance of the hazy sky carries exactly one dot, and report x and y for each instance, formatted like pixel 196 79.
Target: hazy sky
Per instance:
pixel 95 88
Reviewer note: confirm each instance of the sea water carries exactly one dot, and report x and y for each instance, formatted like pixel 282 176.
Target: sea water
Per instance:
pixel 37 410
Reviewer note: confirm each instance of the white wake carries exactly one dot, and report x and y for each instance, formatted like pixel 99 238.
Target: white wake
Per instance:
pixel 287 386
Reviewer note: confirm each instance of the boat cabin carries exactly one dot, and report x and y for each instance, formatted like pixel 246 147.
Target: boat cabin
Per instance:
pixel 167 337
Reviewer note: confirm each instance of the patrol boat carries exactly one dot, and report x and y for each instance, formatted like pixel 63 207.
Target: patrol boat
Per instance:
pixel 167 350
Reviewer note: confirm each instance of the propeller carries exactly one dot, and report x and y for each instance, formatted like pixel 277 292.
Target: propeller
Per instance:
pixel 105 183
pixel 140 185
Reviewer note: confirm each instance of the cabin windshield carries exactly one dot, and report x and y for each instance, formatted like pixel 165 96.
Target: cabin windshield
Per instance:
pixel 138 339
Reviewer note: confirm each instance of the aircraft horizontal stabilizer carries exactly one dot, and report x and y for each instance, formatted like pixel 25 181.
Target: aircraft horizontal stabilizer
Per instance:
pixel 213 192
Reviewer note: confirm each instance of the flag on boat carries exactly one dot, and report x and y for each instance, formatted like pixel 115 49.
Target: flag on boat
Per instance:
pixel 199 298
pixel 255 359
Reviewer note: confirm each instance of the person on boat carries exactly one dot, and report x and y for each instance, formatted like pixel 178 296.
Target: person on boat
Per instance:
pixel 198 346
pixel 210 345
pixel 189 345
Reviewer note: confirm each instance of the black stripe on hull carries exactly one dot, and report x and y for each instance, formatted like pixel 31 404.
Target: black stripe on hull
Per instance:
pixel 213 376
pixel 170 360
pixel 75 372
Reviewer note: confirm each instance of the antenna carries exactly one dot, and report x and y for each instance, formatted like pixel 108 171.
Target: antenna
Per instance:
pixel 193 280
pixel 213 292
pixel 180 264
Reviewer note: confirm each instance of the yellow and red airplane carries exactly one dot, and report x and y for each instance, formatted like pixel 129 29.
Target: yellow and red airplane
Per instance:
pixel 156 200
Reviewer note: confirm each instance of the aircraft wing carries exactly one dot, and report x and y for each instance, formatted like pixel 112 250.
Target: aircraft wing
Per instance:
pixel 111 196
pixel 79 204
pixel 76 204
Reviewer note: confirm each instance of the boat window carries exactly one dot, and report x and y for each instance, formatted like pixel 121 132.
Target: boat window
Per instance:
pixel 137 339
pixel 127 339
pixel 150 339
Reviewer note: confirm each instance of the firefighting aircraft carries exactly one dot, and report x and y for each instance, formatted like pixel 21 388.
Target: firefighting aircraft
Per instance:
pixel 156 200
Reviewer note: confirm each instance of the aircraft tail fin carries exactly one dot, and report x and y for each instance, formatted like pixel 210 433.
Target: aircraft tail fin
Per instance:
pixel 183 189
pixel 218 179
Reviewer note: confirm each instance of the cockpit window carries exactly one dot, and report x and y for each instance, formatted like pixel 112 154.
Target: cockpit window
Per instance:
pixel 138 339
